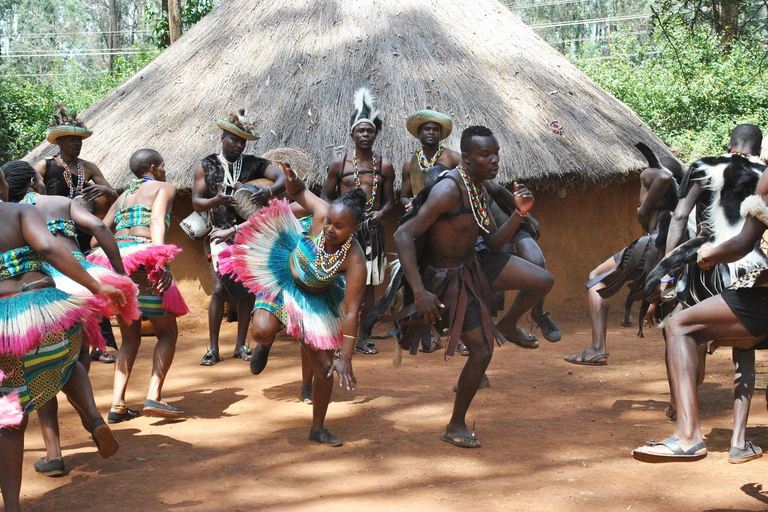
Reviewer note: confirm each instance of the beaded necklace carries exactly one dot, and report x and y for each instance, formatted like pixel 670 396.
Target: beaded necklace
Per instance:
pixel 425 164
pixel 134 184
pixel 68 176
pixel 477 198
pixel 741 153
pixel 230 180
pixel 330 263
pixel 374 188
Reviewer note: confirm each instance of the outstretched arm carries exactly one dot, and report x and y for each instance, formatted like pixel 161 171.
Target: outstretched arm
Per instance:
pixel 299 192
pixel 442 199
pixel 654 184
pixel 104 237
pixel 353 297
pixel 54 252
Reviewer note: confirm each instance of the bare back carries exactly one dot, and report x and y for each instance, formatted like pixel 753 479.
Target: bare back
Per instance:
pixel 153 194
pixel 17 230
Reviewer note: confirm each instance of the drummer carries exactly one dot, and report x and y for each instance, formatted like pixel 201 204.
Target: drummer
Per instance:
pixel 217 177
pixel 66 174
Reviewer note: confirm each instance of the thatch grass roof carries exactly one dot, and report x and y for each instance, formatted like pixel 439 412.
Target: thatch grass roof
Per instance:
pixel 295 65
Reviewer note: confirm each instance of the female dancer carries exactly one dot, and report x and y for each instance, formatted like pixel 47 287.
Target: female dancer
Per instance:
pixel 140 217
pixel 299 282
pixel 62 215
pixel 40 337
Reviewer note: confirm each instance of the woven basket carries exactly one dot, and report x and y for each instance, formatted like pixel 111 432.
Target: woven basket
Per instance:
pixel 761 377
pixel 299 159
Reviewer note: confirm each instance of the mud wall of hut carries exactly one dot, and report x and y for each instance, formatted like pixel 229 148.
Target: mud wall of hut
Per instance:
pixel 581 227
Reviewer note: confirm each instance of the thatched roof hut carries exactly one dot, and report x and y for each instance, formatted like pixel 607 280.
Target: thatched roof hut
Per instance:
pixel 295 64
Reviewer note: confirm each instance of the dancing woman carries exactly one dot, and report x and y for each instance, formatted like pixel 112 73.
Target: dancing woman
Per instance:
pixel 40 334
pixel 301 279
pixel 62 216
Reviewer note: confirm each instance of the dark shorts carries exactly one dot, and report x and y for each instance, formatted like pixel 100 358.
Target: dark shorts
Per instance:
pixel 750 305
pixel 491 263
pixel 638 270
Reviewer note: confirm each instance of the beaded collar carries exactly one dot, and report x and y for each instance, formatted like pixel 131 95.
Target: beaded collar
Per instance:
pixel 425 164
pixel 374 188
pixel 741 153
pixel 477 198
pixel 330 263
pixel 68 176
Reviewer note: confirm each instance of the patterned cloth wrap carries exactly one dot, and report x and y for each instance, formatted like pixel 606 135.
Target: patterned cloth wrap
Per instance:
pixel 261 258
pixel 37 376
pixel 144 263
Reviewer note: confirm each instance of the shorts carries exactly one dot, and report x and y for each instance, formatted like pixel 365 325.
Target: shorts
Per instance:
pixel 750 305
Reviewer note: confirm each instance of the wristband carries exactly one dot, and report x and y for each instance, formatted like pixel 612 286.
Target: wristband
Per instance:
pixel 270 191
pixel 521 213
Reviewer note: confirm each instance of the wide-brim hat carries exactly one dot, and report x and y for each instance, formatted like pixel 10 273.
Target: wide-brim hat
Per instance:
pixel 231 128
pixel 429 116
pixel 64 130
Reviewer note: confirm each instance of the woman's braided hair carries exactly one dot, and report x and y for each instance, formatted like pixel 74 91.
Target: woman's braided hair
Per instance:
pixel 354 201
pixel 19 175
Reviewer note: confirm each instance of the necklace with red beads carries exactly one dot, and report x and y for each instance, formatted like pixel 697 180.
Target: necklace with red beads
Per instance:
pixel 374 188
pixel 68 176
pixel 477 199
pixel 330 263
pixel 425 164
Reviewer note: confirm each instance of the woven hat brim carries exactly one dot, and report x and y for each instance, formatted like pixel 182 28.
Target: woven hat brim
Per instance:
pixel 65 130
pixel 429 116
pixel 229 127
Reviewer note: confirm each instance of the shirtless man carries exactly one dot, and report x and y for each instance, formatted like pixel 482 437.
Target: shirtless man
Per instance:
pixel 66 174
pixel 368 170
pixel 430 127
pixel 216 177
pixel 658 198
pixel 449 258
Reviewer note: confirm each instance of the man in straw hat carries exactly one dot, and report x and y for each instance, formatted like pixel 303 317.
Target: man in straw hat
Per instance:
pixel 376 176
pixel 216 178
pixel 430 127
pixel 66 174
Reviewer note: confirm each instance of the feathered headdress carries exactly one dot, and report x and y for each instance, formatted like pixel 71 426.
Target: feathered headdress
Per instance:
pixel 63 124
pixel 365 111
pixel 239 125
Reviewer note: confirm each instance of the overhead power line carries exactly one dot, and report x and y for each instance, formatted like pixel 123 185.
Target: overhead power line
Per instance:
pixel 80 33
pixel 72 54
pixel 611 19
pixel 546 4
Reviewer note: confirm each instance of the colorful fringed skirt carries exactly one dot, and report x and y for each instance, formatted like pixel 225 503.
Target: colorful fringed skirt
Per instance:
pixel 129 312
pixel 144 263
pixel 40 340
pixel 260 259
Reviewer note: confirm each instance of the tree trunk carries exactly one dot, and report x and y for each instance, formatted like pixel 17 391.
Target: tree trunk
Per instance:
pixel 174 19
pixel 166 37
pixel 112 39
pixel 729 20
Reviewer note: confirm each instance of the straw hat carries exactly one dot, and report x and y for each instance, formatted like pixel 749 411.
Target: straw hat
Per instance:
pixel 64 124
pixel 429 116
pixel 239 125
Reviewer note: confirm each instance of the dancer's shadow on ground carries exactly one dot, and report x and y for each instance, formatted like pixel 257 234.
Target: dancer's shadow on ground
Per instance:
pixel 620 407
pixel 204 403
pixel 290 391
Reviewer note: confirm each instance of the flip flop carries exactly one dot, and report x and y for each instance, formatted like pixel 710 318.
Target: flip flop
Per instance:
pixel 461 440
pixel 210 358
pixel 582 359
pixel 523 338
pixel 366 347
pixel 323 436
pixel 243 353
pixel 677 455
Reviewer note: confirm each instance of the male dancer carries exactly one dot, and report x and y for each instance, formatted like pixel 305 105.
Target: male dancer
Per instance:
pixel 216 178
pixel 368 170
pixel 448 268
pixel 658 198
pixel 430 127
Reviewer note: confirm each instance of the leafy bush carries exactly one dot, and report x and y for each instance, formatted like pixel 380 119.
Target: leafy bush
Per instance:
pixel 691 93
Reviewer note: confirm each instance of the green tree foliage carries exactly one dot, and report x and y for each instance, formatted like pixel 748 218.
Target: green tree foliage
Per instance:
pixel 684 86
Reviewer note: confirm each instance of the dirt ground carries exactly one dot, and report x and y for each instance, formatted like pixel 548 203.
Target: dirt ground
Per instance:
pixel 556 437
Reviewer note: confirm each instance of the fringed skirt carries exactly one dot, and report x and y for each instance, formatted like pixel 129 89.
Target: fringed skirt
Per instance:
pixel 31 380
pixel 129 312
pixel 144 263
pixel 261 261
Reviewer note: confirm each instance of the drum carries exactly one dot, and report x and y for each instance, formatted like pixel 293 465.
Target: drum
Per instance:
pixel 196 225
pixel 243 205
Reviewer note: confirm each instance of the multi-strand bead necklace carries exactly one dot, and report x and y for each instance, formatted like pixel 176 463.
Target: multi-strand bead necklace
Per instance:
pixel 330 263
pixel 375 187
pixel 425 164
pixel 68 176
pixel 477 198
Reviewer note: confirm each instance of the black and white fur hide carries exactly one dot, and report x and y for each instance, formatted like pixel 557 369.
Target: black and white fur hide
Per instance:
pixel 730 179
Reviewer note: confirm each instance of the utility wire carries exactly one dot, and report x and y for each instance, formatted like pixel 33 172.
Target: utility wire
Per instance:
pixel 591 20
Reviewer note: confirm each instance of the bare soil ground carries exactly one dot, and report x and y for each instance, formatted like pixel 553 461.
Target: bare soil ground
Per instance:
pixel 556 437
